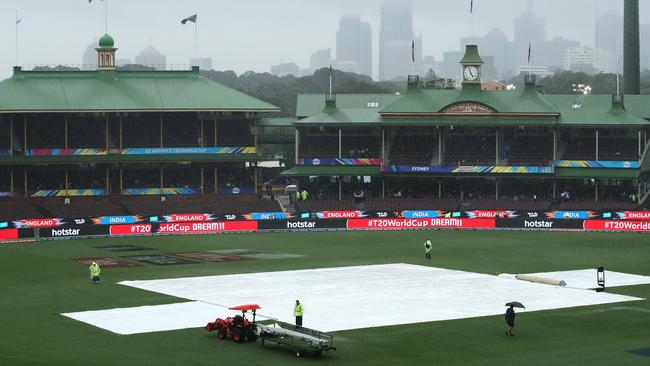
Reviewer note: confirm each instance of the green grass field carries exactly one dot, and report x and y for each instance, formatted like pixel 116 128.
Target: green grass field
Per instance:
pixel 39 281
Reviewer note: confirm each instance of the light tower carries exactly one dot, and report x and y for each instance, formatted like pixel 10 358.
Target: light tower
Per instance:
pixel 631 52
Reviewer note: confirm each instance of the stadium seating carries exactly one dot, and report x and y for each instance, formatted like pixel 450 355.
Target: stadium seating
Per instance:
pixel 234 134
pixel 325 205
pixel 509 204
pixel 11 209
pixel 618 149
pixel 412 150
pixel 604 204
pixel 326 146
pixel 530 150
pixel 152 205
pixel 470 150
pixel 80 207
pixel 580 149
pixel 360 147
pixel 398 204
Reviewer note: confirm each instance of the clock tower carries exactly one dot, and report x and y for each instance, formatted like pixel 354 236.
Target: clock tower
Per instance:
pixel 471 64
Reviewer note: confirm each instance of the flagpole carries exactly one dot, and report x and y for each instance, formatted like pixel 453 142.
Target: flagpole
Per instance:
pixel 196 39
pixel 413 57
pixel 106 16
pixel 16 37
pixel 471 15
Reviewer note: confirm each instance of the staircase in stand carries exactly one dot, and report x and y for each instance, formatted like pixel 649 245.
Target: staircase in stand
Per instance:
pixel 284 201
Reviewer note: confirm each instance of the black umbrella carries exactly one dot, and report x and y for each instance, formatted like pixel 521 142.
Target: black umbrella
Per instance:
pixel 516 304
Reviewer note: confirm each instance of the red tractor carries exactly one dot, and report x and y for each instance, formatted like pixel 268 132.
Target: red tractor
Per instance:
pixel 238 327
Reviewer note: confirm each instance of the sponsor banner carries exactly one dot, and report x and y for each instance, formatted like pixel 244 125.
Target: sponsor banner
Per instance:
pixel 66 152
pixel 116 220
pixel 267 216
pixel 483 169
pixel 338 162
pixel 188 218
pixel 422 214
pixel 8 234
pixel 71 232
pixel 206 227
pixel 582 215
pixel 302 225
pixel 136 229
pixel 540 223
pixel 68 192
pixel 161 191
pixel 633 215
pixel 5 152
pixel 597 164
pixel 236 190
pixel 37 223
pixel 340 214
pixel 188 150
pixel 6 194
pixel 617 225
pixel 484 214
pixel 433 223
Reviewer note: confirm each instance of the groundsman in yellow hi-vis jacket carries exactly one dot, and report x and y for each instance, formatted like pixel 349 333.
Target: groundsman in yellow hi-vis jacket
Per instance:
pixel 94 272
pixel 298 311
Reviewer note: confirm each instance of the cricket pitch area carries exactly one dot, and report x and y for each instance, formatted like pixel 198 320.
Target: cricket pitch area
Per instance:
pixel 355 297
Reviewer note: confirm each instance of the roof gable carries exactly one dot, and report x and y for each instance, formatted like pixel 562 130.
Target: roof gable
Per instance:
pixel 313 104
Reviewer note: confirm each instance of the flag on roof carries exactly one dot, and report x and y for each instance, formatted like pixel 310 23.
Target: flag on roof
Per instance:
pixel 191 18
pixel 471 6
pixel 529 46
pixel 413 51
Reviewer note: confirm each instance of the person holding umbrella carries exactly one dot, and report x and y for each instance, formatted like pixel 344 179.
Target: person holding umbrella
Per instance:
pixel 510 316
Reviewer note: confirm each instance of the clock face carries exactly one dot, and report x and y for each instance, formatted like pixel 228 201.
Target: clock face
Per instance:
pixel 471 73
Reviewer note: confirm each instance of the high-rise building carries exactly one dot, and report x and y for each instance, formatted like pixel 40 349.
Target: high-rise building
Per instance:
pixel 528 29
pixel 89 58
pixel 449 66
pixel 530 33
pixel 319 59
pixel 589 60
pixel 551 53
pixel 151 57
pixel 285 69
pixel 204 63
pixel 354 46
pixel 395 40
pixel 609 33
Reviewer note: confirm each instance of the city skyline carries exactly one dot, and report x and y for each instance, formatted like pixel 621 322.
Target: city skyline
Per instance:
pixel 229 41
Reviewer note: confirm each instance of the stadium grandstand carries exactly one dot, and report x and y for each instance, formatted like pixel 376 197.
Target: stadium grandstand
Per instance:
pixel 112 142
pixel 109 142
pixel 471 148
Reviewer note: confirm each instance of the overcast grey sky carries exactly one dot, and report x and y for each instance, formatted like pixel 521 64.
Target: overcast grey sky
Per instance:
pixel 253 34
